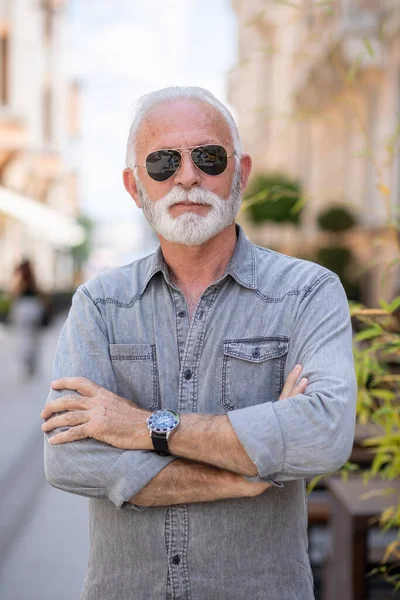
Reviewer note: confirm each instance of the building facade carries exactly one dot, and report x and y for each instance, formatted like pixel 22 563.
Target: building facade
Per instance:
pixel 317 94
pixel 38 113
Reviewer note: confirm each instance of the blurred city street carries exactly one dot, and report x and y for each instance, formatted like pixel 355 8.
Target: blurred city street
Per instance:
pixel 43 531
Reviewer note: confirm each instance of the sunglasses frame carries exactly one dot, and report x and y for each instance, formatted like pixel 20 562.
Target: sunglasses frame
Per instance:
pixel 188 149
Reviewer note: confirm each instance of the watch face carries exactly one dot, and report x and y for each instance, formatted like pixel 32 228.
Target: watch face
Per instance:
pixel 163 420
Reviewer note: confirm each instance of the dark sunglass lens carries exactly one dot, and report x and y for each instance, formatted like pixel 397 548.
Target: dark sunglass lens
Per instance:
pixel 211 159
pixel 162 164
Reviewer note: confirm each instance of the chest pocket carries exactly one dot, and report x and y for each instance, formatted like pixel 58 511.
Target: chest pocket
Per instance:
pixel 135 368
pixel 253 370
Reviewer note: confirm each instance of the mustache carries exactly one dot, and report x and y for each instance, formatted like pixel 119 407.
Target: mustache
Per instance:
pixel 196 196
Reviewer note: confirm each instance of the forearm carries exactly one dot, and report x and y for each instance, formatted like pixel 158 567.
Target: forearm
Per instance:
pixel 183 482
pixel 211 439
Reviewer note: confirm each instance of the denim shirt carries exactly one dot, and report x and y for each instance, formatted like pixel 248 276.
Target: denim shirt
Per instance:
pixel 129 331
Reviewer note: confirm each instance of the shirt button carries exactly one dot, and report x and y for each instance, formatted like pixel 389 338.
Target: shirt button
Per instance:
pixel 188 374
pixel 256 353
pixel 201 315
pixel 176 559
pixel 181 313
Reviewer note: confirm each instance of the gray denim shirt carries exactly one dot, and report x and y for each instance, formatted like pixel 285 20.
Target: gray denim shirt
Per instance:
pixel 129 331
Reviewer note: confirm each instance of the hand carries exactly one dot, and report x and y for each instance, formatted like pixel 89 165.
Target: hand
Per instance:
pixel 290 388
pixel 255 488
pixel 96 413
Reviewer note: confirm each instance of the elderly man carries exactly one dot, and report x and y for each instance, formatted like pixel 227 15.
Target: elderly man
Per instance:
pixel 178 406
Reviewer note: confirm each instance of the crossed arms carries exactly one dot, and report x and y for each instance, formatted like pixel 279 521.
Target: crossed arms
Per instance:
pixel 301 435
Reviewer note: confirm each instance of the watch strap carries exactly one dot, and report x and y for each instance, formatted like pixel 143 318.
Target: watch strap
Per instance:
pixel 160 443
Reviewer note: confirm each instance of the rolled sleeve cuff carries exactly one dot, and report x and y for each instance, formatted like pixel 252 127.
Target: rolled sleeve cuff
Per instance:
pixel 259 432
pixel 131 473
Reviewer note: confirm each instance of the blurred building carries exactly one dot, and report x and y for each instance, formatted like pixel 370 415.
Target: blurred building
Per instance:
pixel 38 119
pixel 317 93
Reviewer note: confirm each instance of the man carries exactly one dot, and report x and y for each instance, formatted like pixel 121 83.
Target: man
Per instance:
pixel 164 412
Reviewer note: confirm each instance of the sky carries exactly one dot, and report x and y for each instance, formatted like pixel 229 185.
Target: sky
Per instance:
pixel 122 49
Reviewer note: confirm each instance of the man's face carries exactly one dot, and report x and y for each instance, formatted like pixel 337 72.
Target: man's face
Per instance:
pixel 191 206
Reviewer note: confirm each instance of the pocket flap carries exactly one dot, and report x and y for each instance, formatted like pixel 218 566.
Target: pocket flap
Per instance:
pixel 256 350
pixel 131 351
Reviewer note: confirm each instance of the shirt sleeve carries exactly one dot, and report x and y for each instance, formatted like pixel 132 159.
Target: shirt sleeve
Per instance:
pixel 312 433
pixel 89 467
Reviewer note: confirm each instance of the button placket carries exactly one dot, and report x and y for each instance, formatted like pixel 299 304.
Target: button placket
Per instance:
pixel 191 357
pixel 177 548
pixel 182 323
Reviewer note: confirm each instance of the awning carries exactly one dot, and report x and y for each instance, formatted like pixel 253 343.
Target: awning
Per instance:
pixel 43 221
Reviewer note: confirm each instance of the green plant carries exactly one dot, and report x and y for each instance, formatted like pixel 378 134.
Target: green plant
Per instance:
pixel 339 260
pixel 335 258
pixel 336 219
pixel 81 253
pixel 5 305
pixel 273 197
pixel 338 257
pixel 376 354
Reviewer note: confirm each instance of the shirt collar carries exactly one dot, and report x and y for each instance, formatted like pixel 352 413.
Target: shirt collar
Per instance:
pixel 241 266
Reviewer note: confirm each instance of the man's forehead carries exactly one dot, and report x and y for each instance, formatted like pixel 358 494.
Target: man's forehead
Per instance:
pixel 183 138
pixel 183 124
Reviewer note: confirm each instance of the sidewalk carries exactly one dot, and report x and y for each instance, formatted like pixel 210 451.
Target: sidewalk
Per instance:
pixel 43 532
pixel 22 398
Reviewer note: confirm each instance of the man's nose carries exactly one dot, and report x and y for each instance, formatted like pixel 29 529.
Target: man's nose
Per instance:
pixel 188 175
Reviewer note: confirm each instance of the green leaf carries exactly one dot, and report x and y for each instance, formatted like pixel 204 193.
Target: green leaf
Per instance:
pixel 368 45
pixel 383 411
pixel 394 305
pixel 353 69
pixel 383 304
pixel 349 466
pixel 382 394
pixel 369 333
pixel 299 205
pixel 375 441
pixel 314 482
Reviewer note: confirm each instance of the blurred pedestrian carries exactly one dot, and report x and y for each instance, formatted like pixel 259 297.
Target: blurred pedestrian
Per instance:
pixel 27 314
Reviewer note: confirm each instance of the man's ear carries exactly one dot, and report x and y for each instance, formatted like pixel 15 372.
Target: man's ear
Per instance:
pixel 130 185
pixel 245 170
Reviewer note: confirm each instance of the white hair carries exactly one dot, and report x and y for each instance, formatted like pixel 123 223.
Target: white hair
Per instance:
pixel 148 101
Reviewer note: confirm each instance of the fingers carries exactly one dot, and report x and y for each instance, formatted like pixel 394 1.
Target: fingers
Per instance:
pixel 64 403
pixel 67 419
pixel 300 388
pixel 72 435
pixel 84 386
pixel 290 382
pixel 291 388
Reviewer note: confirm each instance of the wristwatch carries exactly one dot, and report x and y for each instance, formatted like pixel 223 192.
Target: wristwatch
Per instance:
pixel 162 424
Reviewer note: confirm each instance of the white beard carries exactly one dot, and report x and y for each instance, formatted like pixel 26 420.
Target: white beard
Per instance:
pixel 190 228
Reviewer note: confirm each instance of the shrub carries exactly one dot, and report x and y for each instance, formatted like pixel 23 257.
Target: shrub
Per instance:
pixel 274 198
pixel 336 219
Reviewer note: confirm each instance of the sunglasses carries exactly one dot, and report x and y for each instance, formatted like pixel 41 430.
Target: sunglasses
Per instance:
pixel 163 164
